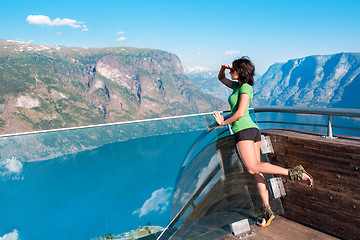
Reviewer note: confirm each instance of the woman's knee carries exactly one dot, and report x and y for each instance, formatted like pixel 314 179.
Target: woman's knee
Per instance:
pixel 253 170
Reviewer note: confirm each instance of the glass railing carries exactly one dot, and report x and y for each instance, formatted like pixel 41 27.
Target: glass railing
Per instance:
pixel 117 180
pixel 88 182
pixel 213 189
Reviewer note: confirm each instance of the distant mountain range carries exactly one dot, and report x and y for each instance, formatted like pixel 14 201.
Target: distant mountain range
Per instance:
pixel 46 87
pixel 321 81
pixel 207 81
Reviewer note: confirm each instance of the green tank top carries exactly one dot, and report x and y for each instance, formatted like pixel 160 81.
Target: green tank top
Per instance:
pixel 234 99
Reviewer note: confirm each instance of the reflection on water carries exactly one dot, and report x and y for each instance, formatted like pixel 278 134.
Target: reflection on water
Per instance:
pixel 94 181
pixel 111 189
pixel 113 179
pixel 213 191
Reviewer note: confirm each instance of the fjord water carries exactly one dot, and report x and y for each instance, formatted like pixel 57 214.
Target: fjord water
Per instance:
pixel 86 183
pixel 111 189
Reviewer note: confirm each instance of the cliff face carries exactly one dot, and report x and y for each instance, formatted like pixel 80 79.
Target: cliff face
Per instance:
pixel 45 87
pixel 322 81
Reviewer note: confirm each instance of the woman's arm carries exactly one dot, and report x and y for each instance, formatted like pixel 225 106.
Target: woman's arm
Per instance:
pixel 221 76
pixel 244 101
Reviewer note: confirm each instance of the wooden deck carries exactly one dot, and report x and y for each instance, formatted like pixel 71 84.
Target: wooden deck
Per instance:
pixel 282 229
pixel 333 204
pixel 328 210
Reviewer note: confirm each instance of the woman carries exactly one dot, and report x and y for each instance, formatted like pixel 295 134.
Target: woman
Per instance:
pixel 247 133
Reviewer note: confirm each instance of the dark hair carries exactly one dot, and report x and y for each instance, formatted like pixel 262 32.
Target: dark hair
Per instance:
pixel 246 70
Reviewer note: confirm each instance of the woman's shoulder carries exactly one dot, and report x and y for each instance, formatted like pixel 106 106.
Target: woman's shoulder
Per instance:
pixel 243 87
pixel 246 86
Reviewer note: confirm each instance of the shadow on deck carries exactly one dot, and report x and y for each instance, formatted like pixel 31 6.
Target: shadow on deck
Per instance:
pixel 282 229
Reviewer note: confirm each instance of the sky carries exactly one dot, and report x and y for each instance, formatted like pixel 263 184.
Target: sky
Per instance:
pixel 202 33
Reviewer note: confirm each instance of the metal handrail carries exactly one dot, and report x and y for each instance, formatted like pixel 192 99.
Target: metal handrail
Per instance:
pixel 311 110
pixel 103 125
pixel 309 124
pixel 329 112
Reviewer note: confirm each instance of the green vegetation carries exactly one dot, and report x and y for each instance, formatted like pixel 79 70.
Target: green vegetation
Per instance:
pixel 78 84
pixel 2 123
pixel 49 81
pixel 69 70
pixel 23 117
pixel 134 234
pixel 48 124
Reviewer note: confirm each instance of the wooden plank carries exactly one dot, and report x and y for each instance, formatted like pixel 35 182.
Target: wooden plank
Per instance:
pixel 333 205
pixel 282 229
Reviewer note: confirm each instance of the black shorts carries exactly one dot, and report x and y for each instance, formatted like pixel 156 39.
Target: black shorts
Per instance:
pixel 248 134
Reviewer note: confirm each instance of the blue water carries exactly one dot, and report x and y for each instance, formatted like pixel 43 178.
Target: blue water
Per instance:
pixel 92 193
pixel 111 189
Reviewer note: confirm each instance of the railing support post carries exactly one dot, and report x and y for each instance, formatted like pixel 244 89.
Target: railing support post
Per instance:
pixel 329 129
pixel 230 129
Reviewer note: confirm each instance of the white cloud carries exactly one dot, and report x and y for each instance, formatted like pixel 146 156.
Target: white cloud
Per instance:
pixel 58 33
pixel 121 38
pixel 120 32
pixel 12 168
pixel 85 30
pixel 158 202
pixel 45 20
pixel 231 52
pixel 204 173
pixel 11 236
pixel 11 165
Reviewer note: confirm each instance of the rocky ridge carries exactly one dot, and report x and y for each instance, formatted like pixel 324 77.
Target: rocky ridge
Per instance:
pixel 320 81
pixel 46 87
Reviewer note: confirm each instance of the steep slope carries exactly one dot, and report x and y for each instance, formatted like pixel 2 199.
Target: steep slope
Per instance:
pixel 323 81
pixel 44 87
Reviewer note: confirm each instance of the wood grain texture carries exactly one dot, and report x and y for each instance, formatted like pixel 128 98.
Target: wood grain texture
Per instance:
pixel 333 205
pixel 282 229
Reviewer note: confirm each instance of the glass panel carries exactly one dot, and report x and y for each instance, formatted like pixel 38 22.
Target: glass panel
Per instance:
pixel 320 122
pixel 112 179
pixel 48 145
pixel 86 183
pixel 347 122
pixel 214 189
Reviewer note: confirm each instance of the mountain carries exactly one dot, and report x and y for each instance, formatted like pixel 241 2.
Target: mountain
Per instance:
pixel 46 87
pixel 207 81
pixel 321 81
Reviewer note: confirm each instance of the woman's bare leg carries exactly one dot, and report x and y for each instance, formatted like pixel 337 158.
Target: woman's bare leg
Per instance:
pixel 260 180
pixel 248 154
pixel 253 154
pixel 247 150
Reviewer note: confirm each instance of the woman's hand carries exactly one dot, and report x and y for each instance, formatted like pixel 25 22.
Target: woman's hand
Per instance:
pixel 219 119
pixel 225 66
pixel 221 76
